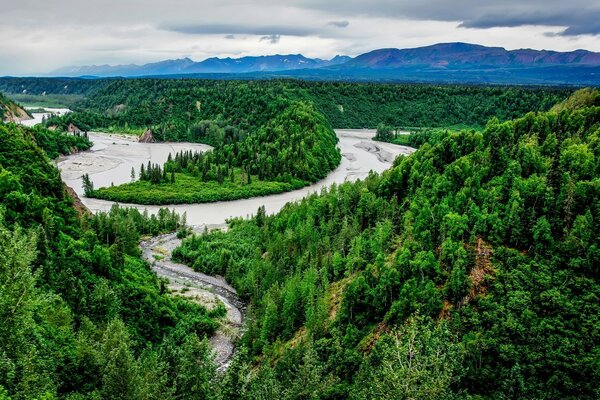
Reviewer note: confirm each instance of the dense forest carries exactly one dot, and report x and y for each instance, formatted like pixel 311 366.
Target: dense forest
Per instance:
pixel 83 317
pixel 468 270
pixel 144 103
pixel 268 136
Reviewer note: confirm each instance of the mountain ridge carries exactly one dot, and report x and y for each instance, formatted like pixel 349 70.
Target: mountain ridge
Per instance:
pixel 454 62
pixel 443 55
pixel 270 63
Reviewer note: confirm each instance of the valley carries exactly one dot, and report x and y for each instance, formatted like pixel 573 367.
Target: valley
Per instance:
pixel 300 200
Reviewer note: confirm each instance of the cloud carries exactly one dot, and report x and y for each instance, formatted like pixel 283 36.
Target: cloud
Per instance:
pixel 577 17
pixel 273 39
pixel 339 24
pixel 242 29
pixel 230 36
pixel 575 23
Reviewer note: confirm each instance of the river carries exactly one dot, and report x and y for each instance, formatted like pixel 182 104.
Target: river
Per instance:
pixel 111 158
pixel 110 162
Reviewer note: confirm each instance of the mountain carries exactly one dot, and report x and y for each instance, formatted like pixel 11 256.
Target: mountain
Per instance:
pixel 212 65
pixel 464 63
pixel 443 62
pixel 452 55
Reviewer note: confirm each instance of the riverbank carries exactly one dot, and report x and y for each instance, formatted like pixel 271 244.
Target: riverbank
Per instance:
pixel 210 291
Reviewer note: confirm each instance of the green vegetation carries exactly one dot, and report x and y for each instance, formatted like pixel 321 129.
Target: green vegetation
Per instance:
pixel 171 103
pixel 275 130
pixel 50 101
pixel 82 315
pixel 187 189
pixel 468 270
pixel 56 143
pixel 295 148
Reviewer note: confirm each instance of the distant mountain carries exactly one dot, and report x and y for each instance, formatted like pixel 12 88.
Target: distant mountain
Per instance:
pixel 452 55
pixel 443 62
pixel 209 66
pixel 465 63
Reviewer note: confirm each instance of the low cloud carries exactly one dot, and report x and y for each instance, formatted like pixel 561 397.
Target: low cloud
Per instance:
pixel 273 39
pixel 240 29
pixel 339 24
pixel 230 36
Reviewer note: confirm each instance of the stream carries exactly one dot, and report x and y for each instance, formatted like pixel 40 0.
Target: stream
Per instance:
pixel 198 287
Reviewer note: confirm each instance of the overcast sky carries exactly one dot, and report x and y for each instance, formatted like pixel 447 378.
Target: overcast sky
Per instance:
pixel 39 36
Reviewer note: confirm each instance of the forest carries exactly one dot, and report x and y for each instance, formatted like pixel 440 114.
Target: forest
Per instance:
pixel 268 136
pixel 295 148
pixel 468 270
pixel 83 317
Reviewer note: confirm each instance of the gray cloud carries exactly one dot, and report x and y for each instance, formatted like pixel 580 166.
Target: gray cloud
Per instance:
pixel 273 39
pixel 230 36
pixel 339 24
pixel 577 24
pixel 242 29
pixel 578 16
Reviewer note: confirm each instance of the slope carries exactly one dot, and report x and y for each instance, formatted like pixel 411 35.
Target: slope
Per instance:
pixel 468 269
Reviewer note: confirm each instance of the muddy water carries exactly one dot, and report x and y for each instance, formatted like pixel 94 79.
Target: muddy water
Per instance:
pixel 37 117
pixel 112 157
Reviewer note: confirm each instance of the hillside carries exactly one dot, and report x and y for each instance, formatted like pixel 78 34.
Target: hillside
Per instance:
pixel 12 112
pixel 82 315
pixel 468 270
pixel 448 55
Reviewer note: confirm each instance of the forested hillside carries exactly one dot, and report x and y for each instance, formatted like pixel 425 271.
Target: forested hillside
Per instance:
pixel 173 103
pixel 270 136
pixel 345 104
pixel 82 315
pixel 468 270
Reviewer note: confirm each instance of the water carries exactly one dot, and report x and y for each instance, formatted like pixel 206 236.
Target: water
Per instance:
pixel 37 117
pixel 111 159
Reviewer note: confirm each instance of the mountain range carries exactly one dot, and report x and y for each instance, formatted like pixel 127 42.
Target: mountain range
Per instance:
pixel 443 62
pixel 212 65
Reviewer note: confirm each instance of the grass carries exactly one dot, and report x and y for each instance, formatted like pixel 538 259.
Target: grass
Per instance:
pixel 50 100
pixel 188 189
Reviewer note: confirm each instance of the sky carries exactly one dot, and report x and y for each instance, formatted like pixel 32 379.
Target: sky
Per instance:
pixel 40 36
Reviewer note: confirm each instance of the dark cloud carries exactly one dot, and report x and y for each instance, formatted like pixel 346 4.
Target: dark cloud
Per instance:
pixel 339 24
pixel 577 24
pixel 578 16
pixel 273 39
pixel 230 36
pixel 232 29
